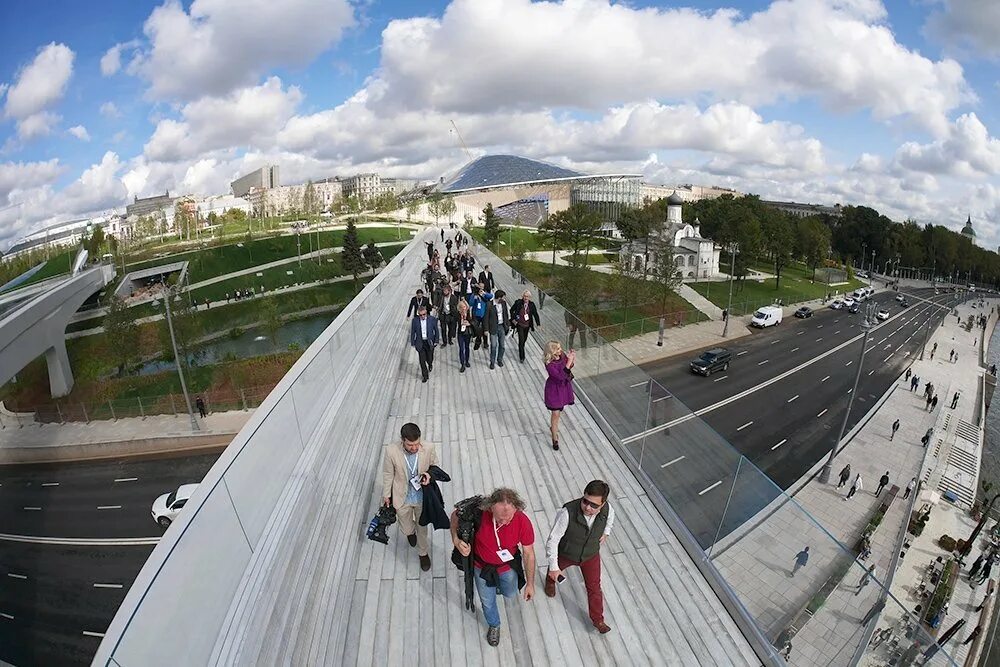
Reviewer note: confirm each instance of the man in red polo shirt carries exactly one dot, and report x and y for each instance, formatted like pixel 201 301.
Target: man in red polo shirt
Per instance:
pixel 504 533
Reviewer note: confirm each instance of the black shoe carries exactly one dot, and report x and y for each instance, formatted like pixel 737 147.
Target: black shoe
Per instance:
pixel 423 379
pixel 468 365
pixel 491 365
pixel 462 370
pixel 412 539
pixel 493 636
pixel 521 359
pixel 430 367
pixel 555 444
pixel 425 563
pixel 500 364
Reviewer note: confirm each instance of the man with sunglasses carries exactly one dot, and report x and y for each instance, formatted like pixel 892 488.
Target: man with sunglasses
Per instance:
pixel 580 528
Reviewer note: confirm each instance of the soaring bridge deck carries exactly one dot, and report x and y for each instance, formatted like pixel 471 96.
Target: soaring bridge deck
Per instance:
pixel 306 587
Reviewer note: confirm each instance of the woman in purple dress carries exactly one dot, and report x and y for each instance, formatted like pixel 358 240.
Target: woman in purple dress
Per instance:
pixel 558 384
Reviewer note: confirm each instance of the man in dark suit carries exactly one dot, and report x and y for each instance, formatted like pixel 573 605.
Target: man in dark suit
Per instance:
pixel 417 302
pixel 524 316
pixel 498 324
pixel 467 286
pixel 423 337
pixel 486 277
pixel 447 314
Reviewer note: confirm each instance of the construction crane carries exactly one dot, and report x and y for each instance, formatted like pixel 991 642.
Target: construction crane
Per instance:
pixel 461 140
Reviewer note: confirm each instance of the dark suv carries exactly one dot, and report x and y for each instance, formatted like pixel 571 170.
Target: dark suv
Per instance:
pixel 711 361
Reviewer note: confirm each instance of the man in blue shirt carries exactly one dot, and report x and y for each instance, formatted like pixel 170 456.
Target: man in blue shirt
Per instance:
pixel 478 305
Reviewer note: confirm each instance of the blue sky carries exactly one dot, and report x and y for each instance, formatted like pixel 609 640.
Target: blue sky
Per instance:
pixel 890 104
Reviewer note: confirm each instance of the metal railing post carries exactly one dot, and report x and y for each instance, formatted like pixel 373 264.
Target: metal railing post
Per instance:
pixel 173 406
pixel 58 412
pixel 142 414
pixel 112 408
pixel 86 417
pixel 243 397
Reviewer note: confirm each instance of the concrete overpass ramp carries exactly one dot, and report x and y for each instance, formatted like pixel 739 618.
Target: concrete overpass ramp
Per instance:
pixel 39 326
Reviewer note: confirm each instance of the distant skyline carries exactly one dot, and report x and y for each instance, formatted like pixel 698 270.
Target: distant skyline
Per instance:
pixel 887 104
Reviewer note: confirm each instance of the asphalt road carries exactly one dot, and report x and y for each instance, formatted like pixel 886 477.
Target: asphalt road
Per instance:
pixel 779 405
pixel 56 599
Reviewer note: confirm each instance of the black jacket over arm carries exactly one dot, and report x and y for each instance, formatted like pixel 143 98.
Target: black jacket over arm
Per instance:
pixel 433 511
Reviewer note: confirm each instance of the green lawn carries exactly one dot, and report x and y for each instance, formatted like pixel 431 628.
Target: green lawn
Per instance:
pixel 748 295
pixel 595 258
pixel 215 261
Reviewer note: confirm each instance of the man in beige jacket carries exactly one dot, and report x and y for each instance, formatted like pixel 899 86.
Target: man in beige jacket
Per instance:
pixel 404 474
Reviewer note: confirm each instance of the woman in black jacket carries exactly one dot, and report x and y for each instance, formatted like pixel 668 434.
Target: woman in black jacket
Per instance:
pixel 524 315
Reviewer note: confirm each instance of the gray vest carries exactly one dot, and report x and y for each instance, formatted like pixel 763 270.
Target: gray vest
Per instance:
pixel 581 543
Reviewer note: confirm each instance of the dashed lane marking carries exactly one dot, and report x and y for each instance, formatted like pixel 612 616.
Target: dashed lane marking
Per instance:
pixel 7 616
pixel 638 384
pixel 107 585
pixel 670 463
pixel 795 349
pixel 818 339
pixel 775 342
pixel 779 444
pixel 109 507
pixel 871 371
pixel 740 354
pixel 16 576
pixel 709 488
pixel 127 479
pixel 825 379
pixel 720 379
pixel 51 484
pixel 761 363
pixel 792 398
pixel 849 362
pixel 88 633
pixel 744 426
pixel 33 509
pixel 822 413
pixel 887 358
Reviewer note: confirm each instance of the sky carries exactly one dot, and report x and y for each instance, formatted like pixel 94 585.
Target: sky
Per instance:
pixel 887 104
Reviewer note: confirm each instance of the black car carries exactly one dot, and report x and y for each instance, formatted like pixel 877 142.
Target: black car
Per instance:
pixel 855 307
pixel 804 312
pixel 904 303
pixel 711 361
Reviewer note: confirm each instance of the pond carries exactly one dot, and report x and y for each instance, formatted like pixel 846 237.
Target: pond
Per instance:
pixel 252 343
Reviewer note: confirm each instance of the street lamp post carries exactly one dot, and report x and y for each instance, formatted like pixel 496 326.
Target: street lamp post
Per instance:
pixel 871 272
pixel 177 359
pixel 732 271
pixel 866 326
pixel 298 242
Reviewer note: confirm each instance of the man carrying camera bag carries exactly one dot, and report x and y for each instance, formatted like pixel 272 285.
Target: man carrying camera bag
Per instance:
pixel 580 528
pixel 404 474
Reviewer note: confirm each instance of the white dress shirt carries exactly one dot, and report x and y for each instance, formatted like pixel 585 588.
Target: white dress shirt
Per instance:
pixel 559 529
pixel 423 328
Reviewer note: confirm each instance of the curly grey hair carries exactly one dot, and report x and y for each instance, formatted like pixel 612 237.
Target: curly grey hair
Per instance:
pixel 503 495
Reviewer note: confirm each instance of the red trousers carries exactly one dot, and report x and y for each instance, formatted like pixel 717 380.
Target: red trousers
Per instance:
pixel 591 569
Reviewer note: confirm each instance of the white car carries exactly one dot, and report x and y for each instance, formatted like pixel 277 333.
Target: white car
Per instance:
pixel 899 298
pixel 169 505
pixel 882 315
pixel 849 301
pixel 837 304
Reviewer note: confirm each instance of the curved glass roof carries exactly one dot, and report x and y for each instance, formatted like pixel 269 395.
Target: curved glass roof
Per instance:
pixel 492 171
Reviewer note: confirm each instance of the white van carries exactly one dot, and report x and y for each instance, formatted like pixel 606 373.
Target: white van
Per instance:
pixel 768 316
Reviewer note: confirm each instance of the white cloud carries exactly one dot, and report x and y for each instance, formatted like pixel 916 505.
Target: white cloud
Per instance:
pixel 41 83
pixel 111 61
pixel 80 132
pixel 219 45
pixel 16 176
pixel 967 151
pixel 591 54
pixel 967 24
pixel 110 110
pixel 37 125
pixel 250 116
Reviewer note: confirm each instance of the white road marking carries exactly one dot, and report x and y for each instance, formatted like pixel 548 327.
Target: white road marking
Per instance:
pixel 127 479
pixel 88 633
pixel 775 342
pixel 881 341
pixel 761 363
pixel 849 362
pixel 740 354
pixel 670 463
pixel 795 349
pixel 109 507
pixel 822 413
pixel 887 358
pixel 107 586
pixel 51 484
pixel 81 541
pixel 800 333
pixel 792 398
pixel 638 384
pixel 871 371
pixel 836 320
pixel 744 426
pixel 850 390
pixel 16 576
pixel 7 616
pixel 707 489
pixel 818 339
pixel 33 509
pixel 836 332
pixel 779 444
pixel 720 379
pixel 819 326
pixel 825 379
pixel 661 398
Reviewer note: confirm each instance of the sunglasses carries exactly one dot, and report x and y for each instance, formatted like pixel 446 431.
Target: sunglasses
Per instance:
pixel 591 505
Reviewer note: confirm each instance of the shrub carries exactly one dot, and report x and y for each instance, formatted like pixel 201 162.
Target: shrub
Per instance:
pixel 947 543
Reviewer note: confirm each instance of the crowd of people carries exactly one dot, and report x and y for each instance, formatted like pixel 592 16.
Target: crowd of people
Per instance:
pixel 493 537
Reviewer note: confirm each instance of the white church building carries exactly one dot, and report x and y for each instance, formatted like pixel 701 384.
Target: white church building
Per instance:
pixel 694 257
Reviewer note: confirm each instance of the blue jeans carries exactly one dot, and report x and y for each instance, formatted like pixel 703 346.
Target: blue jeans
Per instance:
pixel 497 346
pixel 488 595
pixel 463 349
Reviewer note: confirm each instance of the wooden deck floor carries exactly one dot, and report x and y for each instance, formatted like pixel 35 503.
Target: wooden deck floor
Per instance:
pixel 335 598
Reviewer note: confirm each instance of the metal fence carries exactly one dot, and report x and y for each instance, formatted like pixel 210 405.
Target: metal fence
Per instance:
pixel 61 412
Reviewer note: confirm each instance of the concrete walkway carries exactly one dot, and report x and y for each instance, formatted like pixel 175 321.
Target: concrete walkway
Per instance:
pixel 699 302
pixel 680 340
pixel 759 561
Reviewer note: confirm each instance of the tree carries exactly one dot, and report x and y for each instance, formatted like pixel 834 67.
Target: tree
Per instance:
pixel 491 226
pixel 121 333
pixel 95 242
pixel 434 205
pixel 638 225
pixel 467 222
pixel 271 318
pixel 779 241
pixel 412 209
pixel 662 275
pixel 812 241
pixel 373 258
pixel 351 258
pixel 310 205
pixel 448 208
pixel 574 229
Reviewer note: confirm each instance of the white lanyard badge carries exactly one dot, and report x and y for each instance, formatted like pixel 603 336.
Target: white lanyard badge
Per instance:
pixel 503 554
pixel 414 477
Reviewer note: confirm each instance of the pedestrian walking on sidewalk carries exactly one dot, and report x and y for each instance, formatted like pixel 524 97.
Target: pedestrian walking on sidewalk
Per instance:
pixel 986 598
pixel 934 402
pixel 895 427
pixel 199 403
pixel 801 558
pixel 845 475
pixel 951 355
pixel 914 383
pixel 928 403
pixel 909 488
pixel 908 373
pixel 927 437
pixel 985 574
pixel 972 635
pixel 865 578
pixel 956 357
pixel 882 481
pixel 855 487
pixel 954 401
